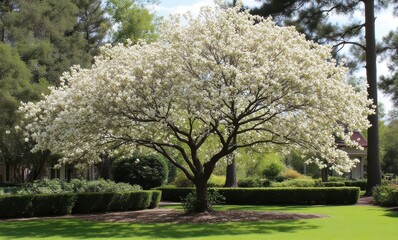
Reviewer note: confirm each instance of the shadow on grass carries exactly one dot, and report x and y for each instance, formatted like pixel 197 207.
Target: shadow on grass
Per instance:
pixel 392 212
pixel 77 229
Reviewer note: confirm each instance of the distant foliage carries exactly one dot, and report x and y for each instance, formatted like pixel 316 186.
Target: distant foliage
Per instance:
pixel 272 170
pixel 253 182
pixel 148 171
pixel 384 194
pixel 47 186
pixel 216 181
pixel 295 183
pixel 292 174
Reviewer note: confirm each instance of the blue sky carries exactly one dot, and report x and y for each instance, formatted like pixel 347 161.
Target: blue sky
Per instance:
pixel 385 22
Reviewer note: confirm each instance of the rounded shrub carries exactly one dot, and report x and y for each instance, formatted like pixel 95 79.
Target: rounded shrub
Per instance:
pixel 273 169
pixel 148 171
pixel 290 173
pixel 384 194
pixel 253 182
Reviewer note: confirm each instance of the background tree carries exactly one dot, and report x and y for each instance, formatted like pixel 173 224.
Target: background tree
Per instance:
pixel 390 152
pixel 14 88
pixel 313 19
pixel 51 35
pixel 217 80
pixel 132 20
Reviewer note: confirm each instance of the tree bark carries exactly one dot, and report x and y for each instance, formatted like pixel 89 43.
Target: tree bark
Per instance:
pixel 373 170
pixel 325 174
pixel 230 179
pixel 106 167
pixel 203 204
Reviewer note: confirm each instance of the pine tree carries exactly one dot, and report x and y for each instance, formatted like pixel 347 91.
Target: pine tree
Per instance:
pixel 313 19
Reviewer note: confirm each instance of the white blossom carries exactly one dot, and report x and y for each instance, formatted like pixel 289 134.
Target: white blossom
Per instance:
pixel 219 82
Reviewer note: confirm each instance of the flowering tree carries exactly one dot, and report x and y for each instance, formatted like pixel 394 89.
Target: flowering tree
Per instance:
pixel 219 82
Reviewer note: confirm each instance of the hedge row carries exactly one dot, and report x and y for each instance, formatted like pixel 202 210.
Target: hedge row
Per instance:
pixel 395 194
pixel 277 196
pixel 358 183
pixel 61 204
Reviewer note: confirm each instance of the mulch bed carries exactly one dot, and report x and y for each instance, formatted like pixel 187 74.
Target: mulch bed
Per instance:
pixel 164 215
pixel 174 216
pixel 161 215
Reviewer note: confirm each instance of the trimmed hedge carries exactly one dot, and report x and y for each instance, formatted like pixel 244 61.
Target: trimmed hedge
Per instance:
pixel 276 196
pixel 395 194
pixel 36 205
pixel 358 183
pixel 330 184
pixel 112 201
pixel 156 196
pixel 175 194
pixel 61 204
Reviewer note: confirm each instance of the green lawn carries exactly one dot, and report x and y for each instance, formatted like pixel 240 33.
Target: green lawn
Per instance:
pixel 344 222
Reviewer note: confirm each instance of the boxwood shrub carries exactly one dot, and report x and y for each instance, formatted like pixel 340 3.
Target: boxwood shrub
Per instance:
pixel 175 194
pixel 357 183
pixel 32 205
pixel 329 184
pixel 277 196
pixel 112 201
pixel 395 194
pixel 156 196
pixel 36 205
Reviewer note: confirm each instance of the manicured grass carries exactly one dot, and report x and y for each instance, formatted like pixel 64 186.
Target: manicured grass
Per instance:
pixel 342 223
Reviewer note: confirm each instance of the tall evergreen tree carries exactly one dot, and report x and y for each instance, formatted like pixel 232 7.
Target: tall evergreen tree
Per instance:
pixel 53 35
pixel 312 17
pixel 14 88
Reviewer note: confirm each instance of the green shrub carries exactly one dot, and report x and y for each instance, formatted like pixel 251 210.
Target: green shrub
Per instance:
pixel 100 185
pixel 190 202
pixel 278 196
pixel 253 182
pixel 16 206
pixel 291 174
pixel 148 171
pixel 295 183
pixel 395 195
pixel 329 184
pixel 336 179
pixel 216 181
pixel 357 183
pixel 112 201
pixel 175 194
pixel 53 204
pixel 182 181
pixel 384 194
pixel 284 196
pixel 156 196
pixel 46 186
pixel 273 169
pixel 36 205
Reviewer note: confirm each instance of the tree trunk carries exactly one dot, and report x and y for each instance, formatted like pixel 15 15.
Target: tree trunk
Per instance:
pixel 203 204
pixel 374 175
pixel 325 174
pixel 106 167
pixel 230 179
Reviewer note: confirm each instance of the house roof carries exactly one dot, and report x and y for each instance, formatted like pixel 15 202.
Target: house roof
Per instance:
pixel 356 136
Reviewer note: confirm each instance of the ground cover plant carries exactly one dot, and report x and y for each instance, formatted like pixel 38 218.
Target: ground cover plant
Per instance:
pixel 342 222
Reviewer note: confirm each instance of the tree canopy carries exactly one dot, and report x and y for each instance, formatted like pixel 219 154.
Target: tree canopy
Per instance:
pixel 220 79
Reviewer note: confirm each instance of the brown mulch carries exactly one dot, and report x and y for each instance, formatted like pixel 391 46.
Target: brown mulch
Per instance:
pixel 365 201
pixel 160 215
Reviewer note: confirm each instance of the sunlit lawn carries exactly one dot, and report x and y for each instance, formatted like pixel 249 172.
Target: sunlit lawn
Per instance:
pixel 343 222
